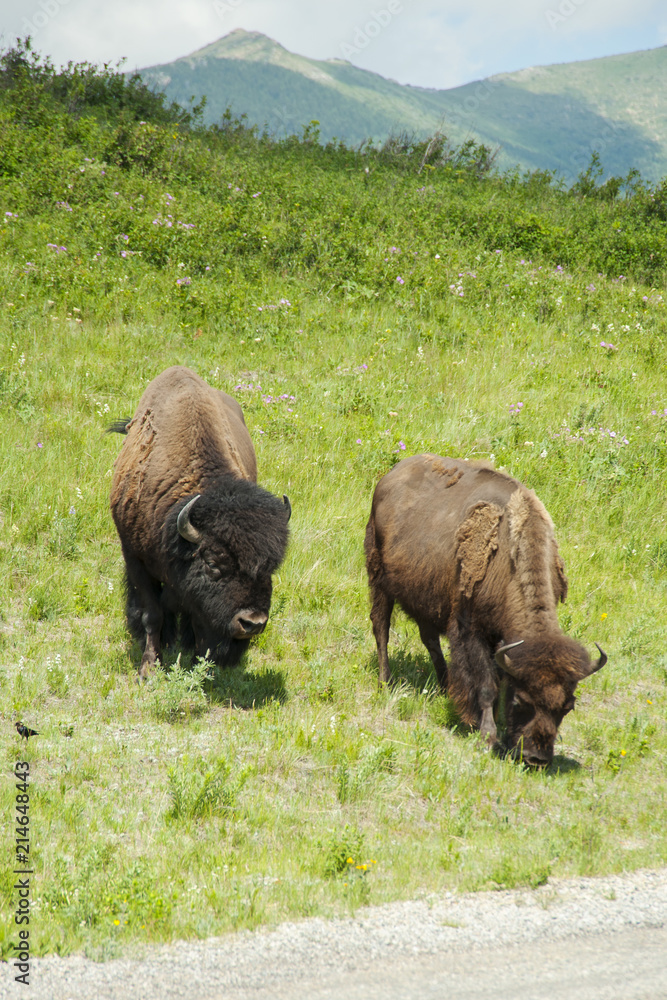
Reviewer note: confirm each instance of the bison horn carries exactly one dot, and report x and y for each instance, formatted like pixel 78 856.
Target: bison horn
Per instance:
pixel 503 661
pixel 601 661
pixel 288 505
pixel 185 529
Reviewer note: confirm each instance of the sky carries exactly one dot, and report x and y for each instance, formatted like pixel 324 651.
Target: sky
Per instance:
pixel 429 43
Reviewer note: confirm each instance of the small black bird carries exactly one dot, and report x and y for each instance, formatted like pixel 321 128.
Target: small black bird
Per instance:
pixel 24 731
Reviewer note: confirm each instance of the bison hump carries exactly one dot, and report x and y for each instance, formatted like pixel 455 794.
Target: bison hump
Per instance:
pixel 476 541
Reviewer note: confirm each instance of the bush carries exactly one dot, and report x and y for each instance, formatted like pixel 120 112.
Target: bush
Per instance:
pixel 198 788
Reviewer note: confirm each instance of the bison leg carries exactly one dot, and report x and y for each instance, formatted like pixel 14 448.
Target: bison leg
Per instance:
pixel 431 639
pixel 170 610
pixel 473 683
pixel 144 593
pixel 381 617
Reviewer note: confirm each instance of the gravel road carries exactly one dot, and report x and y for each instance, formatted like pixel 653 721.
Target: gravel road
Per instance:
pixel 580 939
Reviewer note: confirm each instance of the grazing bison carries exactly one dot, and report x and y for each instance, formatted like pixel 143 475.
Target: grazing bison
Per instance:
pixel 470 553
pixel 200 538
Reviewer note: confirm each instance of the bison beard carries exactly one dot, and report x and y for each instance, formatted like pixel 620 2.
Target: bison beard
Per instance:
pixel 198 567
pixel 470 553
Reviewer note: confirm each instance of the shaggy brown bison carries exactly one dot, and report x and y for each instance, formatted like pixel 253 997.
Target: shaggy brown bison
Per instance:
pixel 470 553
pixel 200 538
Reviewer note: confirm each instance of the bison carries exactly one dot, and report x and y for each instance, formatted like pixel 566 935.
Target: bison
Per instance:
pixel 470 553
pixel 200 538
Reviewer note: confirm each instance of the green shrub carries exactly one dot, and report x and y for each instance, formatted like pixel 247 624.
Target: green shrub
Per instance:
pixel 199 788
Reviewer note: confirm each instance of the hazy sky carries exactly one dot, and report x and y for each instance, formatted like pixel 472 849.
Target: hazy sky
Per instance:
pixel 432 43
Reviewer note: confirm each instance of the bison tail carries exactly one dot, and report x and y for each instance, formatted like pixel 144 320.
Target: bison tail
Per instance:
pixel 119 426
pixel 373 557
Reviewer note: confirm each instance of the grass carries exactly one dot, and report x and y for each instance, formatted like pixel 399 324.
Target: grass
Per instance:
pixel 205 801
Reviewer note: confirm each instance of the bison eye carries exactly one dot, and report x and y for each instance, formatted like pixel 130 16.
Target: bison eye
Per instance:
pixel 214 569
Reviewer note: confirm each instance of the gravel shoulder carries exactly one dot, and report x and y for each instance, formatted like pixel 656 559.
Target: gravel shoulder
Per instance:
pixel 594 939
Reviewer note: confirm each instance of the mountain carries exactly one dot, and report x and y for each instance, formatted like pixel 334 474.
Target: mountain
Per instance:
pixel 544 117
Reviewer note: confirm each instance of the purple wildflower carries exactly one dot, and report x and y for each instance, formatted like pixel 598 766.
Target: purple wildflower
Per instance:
pixel 400 280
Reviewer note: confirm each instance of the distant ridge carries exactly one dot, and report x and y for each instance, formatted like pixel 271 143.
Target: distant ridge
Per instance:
pixel 542 117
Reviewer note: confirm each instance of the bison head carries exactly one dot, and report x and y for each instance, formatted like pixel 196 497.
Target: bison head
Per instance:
pixel 542 676
pixel 224 544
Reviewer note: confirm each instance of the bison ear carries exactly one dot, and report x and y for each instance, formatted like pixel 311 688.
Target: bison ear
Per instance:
pixel 504 662
pixel 288 505
pixel 598 665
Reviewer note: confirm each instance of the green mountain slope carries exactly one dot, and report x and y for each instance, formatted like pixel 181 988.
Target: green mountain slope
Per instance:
pixel 550 117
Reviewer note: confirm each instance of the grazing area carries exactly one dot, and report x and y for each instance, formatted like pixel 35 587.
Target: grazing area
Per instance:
pixel 361 306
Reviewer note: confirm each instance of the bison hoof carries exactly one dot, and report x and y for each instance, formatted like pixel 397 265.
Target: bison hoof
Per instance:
pixel 146 669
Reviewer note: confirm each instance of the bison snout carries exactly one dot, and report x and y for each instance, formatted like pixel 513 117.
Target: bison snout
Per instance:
pixel 247 623
pixel 533 756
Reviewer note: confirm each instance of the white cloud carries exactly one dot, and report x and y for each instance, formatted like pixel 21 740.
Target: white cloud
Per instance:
pixel 430 43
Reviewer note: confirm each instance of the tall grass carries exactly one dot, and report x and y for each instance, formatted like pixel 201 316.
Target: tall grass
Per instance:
pixel 206 801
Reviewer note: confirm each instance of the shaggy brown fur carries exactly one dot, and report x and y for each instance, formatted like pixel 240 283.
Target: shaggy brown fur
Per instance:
pixel 470 553
pixel 189 440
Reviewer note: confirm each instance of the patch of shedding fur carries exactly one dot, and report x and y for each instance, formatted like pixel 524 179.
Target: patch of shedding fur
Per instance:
pixel 451 472
pixel 476 541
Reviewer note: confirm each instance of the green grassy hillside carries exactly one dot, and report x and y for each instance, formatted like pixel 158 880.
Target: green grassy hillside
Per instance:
pixel 547 117
pixel 404 311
